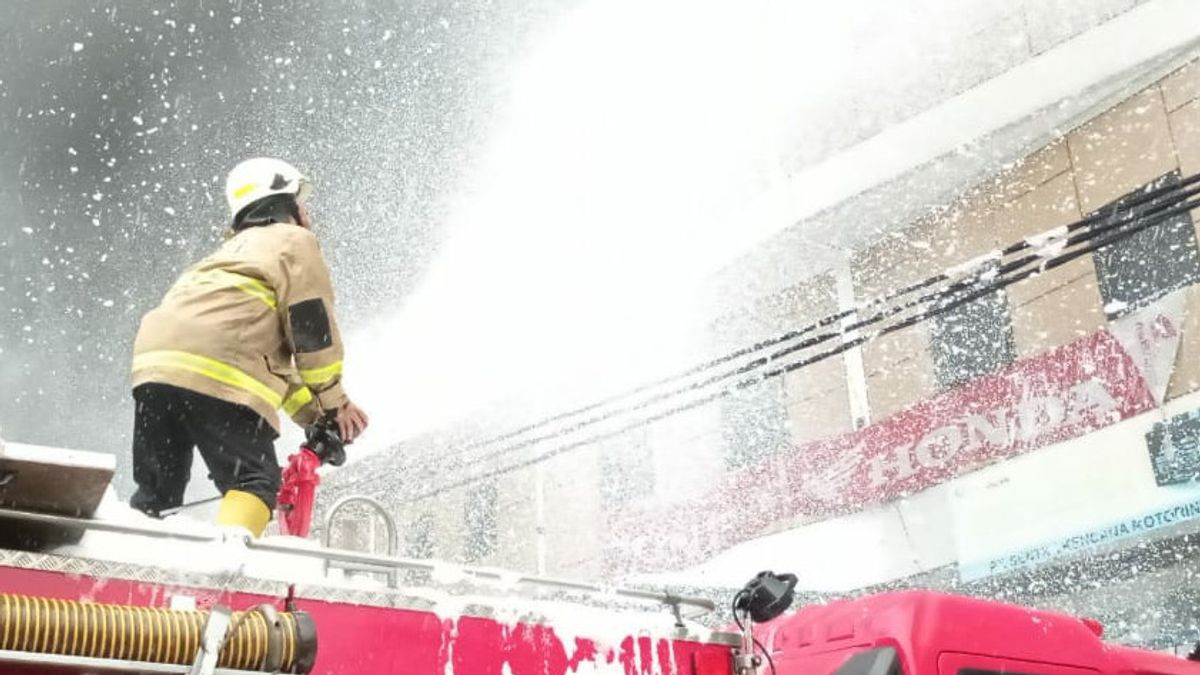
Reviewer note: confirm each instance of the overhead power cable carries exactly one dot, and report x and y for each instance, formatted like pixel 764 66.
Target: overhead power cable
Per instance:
pixel 1095 224
pixel 963 293
pixel 1122 219
pixel 1175 192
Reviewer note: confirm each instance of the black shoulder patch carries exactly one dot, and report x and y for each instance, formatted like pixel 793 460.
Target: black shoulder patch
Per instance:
pixel 310 326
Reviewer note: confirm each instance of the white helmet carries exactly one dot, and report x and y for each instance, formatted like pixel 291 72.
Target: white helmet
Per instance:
pixel 261 177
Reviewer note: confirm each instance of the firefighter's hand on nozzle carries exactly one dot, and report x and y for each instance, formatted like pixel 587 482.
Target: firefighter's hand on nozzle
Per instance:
pixel 351 422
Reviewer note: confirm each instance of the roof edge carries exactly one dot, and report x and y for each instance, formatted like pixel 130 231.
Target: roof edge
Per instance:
pixel 932 157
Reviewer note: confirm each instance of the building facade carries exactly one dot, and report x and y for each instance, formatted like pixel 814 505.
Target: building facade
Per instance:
pixel 1008 446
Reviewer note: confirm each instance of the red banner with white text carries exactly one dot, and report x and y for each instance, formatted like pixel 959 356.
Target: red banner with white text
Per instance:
pixel 1058 395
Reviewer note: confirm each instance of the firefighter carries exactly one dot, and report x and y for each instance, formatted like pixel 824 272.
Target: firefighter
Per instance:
pixel 246 331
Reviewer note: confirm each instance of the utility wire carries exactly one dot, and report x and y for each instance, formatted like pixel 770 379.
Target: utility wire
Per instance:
pixel 1097 227
pixel 1126 210
pixel 959 294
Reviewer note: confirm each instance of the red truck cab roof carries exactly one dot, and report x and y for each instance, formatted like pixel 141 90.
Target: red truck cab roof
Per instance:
pixel 938 634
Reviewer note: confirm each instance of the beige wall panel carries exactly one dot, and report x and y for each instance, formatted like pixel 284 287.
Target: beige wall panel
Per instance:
pixel 574 512
pixel 962 232
pixel 899 366
pixel 817 378
pixel 799 307
pixel 1068 308
pixel 1050 162
pixel 574 533
pixel 810 300
pixel 817 400
pixel 687 453
pixel 1047 206
pixel 821 416
pixel 899 370
pixel 406 519
pixel 448 526
pixel 1182 86
pixel 895 261
pixel 516 487
pixel 1186 376
pixel 516 521
pixel 1123 148
pixel 791 309
pixel 573 472
pixel 1185 129
pixel 1059 305
pixel 681 431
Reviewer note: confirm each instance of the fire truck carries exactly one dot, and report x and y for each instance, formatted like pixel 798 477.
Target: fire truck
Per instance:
pixel 83 592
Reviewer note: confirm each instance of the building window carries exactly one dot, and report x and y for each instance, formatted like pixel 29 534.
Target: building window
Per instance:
pixel 419 542
pixel 626 468
pixel 480 518
pixel 754 423
pixel 754 420
pixel 1144 267
pixel 972 339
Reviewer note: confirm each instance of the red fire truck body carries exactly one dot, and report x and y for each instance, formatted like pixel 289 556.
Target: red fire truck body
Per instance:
pixel 100 594
pixel 937 634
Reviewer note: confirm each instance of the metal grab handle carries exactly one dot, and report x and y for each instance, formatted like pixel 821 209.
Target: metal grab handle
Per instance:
pixel 392 532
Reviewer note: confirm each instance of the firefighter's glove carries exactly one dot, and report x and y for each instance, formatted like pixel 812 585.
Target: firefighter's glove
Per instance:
pixel 324 439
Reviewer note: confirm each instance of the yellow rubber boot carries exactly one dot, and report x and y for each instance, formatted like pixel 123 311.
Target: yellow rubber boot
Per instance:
pixel 242 509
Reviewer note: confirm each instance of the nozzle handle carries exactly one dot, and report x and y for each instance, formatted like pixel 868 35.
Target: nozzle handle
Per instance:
pixel 325 441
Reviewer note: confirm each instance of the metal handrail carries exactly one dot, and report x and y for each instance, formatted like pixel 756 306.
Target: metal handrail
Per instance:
pixel 339 555
pixel 393 533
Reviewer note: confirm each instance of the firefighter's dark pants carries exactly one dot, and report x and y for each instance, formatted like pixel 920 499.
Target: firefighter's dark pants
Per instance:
pixel 235 442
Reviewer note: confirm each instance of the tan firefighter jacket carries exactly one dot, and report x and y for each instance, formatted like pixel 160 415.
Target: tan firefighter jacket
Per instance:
pixel 252 324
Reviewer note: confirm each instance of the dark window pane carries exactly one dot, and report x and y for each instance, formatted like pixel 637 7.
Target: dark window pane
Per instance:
pixel 626 468
pixel 754 423
pixel 420 537
pixel 480 516
pixel 1146 266
pixel 972 339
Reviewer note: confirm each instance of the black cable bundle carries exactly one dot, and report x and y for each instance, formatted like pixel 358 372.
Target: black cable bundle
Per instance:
pixel 891 312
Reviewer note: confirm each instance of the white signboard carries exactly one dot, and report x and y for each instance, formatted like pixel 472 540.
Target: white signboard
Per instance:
pixel 1054 501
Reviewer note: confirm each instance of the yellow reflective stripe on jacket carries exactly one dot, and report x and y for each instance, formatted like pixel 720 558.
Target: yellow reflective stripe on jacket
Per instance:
pixel 321 375
pixel 299 398
pixel 256 288
pixel 248 285
pixel 210 368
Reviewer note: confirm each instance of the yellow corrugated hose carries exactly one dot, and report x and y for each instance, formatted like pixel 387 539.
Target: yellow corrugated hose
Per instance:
pixel 147 634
